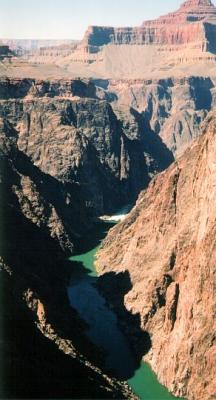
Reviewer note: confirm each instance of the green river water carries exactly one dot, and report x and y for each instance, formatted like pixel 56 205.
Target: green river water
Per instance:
pixel 143 381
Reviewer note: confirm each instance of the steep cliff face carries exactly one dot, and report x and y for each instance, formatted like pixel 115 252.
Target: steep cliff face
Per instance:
pixel 109 137
pixel 167 244
pixel 44 350
pixel 171 108
pixel 76 137
pixel 16 88
pixel 55 207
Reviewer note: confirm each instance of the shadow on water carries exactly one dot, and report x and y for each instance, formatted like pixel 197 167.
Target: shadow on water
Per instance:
pixel 91 298
pixel 100 303
pixel 114 288
pixel 94 237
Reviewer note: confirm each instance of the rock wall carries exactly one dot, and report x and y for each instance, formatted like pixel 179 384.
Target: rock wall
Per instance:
pixel 173 109
pixel 109 137
pixel 167 245
pixel 76 137
pixel 56 208
pixel 16 88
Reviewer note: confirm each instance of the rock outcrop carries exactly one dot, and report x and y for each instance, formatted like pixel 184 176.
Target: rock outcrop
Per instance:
pixel 167 245
pixel 30 88
pixel 55 207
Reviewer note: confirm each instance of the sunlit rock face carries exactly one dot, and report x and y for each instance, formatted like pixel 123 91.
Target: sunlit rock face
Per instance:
pixel 167 244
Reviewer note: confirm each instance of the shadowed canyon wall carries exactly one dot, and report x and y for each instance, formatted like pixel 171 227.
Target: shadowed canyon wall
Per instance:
pixel 45 352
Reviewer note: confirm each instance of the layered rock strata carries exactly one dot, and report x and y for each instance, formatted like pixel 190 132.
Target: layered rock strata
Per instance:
pixel 71 132
pixel 190 24
pixel 167 245
pixel 171 108
pixel 109 137
pixel 55 207
pixel 181 43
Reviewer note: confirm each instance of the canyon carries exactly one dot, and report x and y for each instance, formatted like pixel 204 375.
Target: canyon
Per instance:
pixel 111 138
pixel 43 339
pixel 122 119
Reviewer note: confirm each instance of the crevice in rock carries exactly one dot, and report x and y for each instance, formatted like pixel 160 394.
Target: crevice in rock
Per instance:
pixel 171 306
pixel 172 260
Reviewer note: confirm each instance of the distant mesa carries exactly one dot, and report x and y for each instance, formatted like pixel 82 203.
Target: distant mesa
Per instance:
pixel 195 21
pixel 181 43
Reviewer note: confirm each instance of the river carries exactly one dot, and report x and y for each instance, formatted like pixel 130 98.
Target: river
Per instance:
pixel 103 328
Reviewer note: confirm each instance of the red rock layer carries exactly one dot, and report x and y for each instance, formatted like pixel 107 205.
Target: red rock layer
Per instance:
pixel 190 11
pixel 184 26
pixel 168 246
